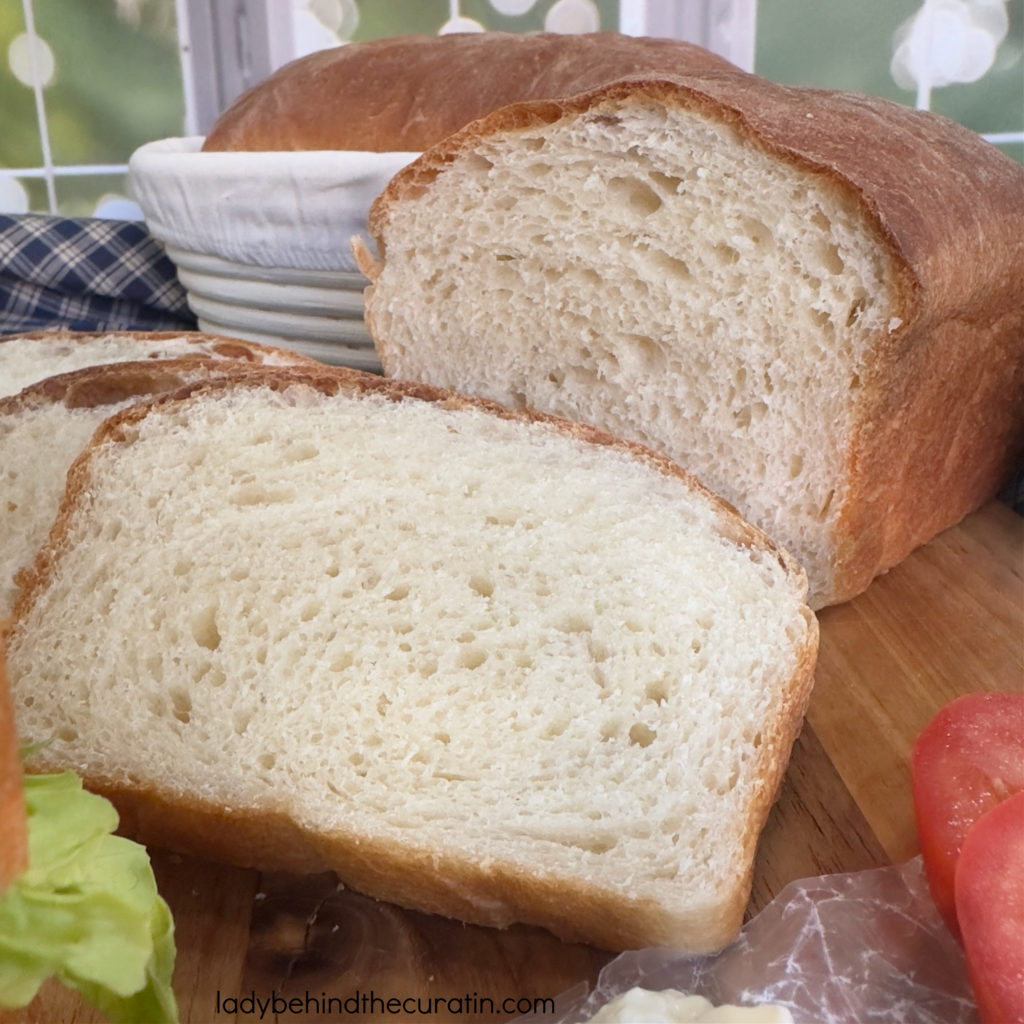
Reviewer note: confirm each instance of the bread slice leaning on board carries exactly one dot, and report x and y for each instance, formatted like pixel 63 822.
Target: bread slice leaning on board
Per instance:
pixel 27 358
pixel 45 426
pixel 14 847
pixel 812 300
pixel 482 663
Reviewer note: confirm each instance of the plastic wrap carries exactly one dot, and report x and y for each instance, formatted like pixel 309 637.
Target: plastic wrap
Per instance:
pixel 860 948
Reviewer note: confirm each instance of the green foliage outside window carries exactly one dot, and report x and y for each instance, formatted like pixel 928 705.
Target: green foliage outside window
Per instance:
pixel 116 85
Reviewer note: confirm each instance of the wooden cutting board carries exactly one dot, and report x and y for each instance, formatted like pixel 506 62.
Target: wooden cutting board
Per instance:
pixel 948 621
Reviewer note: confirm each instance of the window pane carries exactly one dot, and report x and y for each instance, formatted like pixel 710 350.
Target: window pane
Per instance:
pixel 851 46
pixel 831 46
pixel 994 103
pixel 19 140
pixel 379 18
pixel 82 195
pixel 117 77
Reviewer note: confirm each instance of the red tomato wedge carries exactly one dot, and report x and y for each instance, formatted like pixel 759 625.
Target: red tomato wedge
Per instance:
pixel 969 759
pixel 990 909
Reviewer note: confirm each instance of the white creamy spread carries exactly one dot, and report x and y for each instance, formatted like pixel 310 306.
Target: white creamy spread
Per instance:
pixel 642 1006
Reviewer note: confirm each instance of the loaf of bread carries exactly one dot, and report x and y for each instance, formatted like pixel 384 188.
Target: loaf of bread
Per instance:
pixel 27 358
pixel 44 428
pixel 811 300
pixel 406 93
pixel 481 663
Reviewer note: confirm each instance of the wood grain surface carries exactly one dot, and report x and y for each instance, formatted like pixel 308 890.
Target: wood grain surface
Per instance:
pixel 948 621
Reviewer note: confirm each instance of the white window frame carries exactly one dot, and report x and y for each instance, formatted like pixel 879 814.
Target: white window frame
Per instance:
pixel 234 44
pixel 725 27
pixel 226 46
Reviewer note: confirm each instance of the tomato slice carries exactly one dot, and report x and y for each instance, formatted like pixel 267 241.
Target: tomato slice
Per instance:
pixel 990 909
pixel 969 759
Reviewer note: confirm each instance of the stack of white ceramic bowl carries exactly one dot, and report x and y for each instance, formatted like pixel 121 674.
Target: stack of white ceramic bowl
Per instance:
pixel 261 241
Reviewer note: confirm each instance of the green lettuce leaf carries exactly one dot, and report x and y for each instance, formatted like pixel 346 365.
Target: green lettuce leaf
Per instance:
pixel 86 911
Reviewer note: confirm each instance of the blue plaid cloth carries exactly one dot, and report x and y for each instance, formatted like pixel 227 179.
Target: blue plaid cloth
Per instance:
pixel 86 274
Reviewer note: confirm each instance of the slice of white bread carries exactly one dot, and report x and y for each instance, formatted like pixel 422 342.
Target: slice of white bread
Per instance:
pixel 43 429
pixel 811 300
pixel 481 663
pixel 27 358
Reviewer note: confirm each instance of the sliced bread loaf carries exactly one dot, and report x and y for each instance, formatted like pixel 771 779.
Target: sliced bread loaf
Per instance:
pixel 27 358
pixel 482 663
pixel 811 300
pixel 43 429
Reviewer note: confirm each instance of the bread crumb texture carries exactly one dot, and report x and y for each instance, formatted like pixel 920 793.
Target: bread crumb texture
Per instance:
pixel 645 268
pixel 464 633
pixel 36 445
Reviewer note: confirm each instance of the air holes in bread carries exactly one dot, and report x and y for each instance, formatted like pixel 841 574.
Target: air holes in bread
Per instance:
pixel 472 657
pixel 829 259
pixel 341 662
pixel 181 705
pixel 657 691
pixel 204 628
pixel 637 194
pixel 647 352
pixel 674 270
pixel 572 622
pixel 481 163
pixel 823 511
pixel 756 231
pixel 725 255
pixel 667 184
pixel 261 494
pixel 641 736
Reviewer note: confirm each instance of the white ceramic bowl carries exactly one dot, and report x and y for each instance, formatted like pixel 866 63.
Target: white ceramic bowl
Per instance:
pixel 261 241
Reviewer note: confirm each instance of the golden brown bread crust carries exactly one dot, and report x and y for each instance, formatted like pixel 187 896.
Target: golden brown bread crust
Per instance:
pixel 13 823
pixel 428 880
pixel 216 345
pixel 406 93
pixel 435 881
pixel 112 383
pixel 940 418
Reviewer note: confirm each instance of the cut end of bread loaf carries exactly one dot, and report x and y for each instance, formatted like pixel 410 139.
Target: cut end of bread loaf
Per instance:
pixel 652 259
pixel 645 268
pixel 483 664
